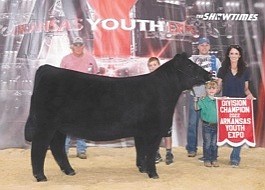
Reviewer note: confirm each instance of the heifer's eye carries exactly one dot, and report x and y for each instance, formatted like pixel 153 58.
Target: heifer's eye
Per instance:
pixel 190 65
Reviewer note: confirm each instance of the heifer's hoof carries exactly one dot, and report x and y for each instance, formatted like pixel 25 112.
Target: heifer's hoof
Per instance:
pixel 142 169
pixel 40 178
pixel 153 175
pixel 69 172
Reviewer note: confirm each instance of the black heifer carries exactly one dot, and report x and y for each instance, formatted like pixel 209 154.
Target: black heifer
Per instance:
pixel 102 108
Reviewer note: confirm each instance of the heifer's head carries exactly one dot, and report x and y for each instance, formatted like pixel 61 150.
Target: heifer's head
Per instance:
pixel 191 74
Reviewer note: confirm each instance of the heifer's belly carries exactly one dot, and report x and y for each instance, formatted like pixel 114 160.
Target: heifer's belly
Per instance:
pixel 109 121
pixel 100 121
pixel 98 132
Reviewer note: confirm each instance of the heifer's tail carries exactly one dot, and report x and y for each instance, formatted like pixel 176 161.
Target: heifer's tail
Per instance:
pixel 31 125
pixel 30 128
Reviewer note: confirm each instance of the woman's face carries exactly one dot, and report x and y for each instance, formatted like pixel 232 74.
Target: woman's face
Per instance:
pixel 234 55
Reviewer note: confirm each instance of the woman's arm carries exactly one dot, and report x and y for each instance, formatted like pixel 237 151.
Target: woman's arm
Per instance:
pixel 219 82
pixel 247 91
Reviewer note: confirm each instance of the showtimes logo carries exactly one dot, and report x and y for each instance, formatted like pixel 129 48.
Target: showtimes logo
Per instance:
pixel 228 16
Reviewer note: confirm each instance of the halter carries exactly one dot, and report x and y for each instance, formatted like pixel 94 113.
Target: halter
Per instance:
pixel 189 75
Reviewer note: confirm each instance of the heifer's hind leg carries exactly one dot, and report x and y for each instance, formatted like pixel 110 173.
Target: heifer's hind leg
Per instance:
pixel 140 154
pixel 40 144
pixel 58 150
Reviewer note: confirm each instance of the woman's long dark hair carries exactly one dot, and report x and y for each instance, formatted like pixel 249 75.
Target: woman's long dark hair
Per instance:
pixel 241 65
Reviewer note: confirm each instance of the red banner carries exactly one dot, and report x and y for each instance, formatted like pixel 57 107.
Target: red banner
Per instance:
pixel 112 43
pixel 235 122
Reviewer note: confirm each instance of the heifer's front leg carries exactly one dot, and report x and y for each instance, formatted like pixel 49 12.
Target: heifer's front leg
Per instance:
pixel 140 154
pixel 58 150
pixel 152 144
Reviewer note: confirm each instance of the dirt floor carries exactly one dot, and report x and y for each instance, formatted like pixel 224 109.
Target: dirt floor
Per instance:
pixel 114 169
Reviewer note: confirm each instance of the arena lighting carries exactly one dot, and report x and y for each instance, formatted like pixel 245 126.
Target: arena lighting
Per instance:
pixel 229 36
pixel 169 35
pixel 213 52
pixel 260 5
pixel 197 35
pixel 203 3
pixel 169 2
pixel 228 31
pixel 232 4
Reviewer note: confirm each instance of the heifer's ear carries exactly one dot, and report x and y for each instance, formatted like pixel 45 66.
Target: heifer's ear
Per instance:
pixel 176 56
pixel 184 54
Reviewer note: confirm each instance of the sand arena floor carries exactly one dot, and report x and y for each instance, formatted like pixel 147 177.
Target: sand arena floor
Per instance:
pixel 114 169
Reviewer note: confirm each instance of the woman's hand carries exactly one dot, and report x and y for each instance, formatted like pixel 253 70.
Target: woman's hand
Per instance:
pixel 250 96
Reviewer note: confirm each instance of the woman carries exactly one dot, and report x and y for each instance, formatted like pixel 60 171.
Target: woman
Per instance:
pixel 234 78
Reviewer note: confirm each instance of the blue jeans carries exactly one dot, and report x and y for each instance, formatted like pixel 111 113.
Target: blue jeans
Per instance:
pixel 235 155
pixel 80 144
pixel 192 131
pixel 210 149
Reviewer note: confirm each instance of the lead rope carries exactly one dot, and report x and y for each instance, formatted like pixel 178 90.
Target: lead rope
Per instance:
pixel 193 92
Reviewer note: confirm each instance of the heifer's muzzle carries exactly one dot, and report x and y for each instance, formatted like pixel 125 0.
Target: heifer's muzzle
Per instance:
pixel 208 77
